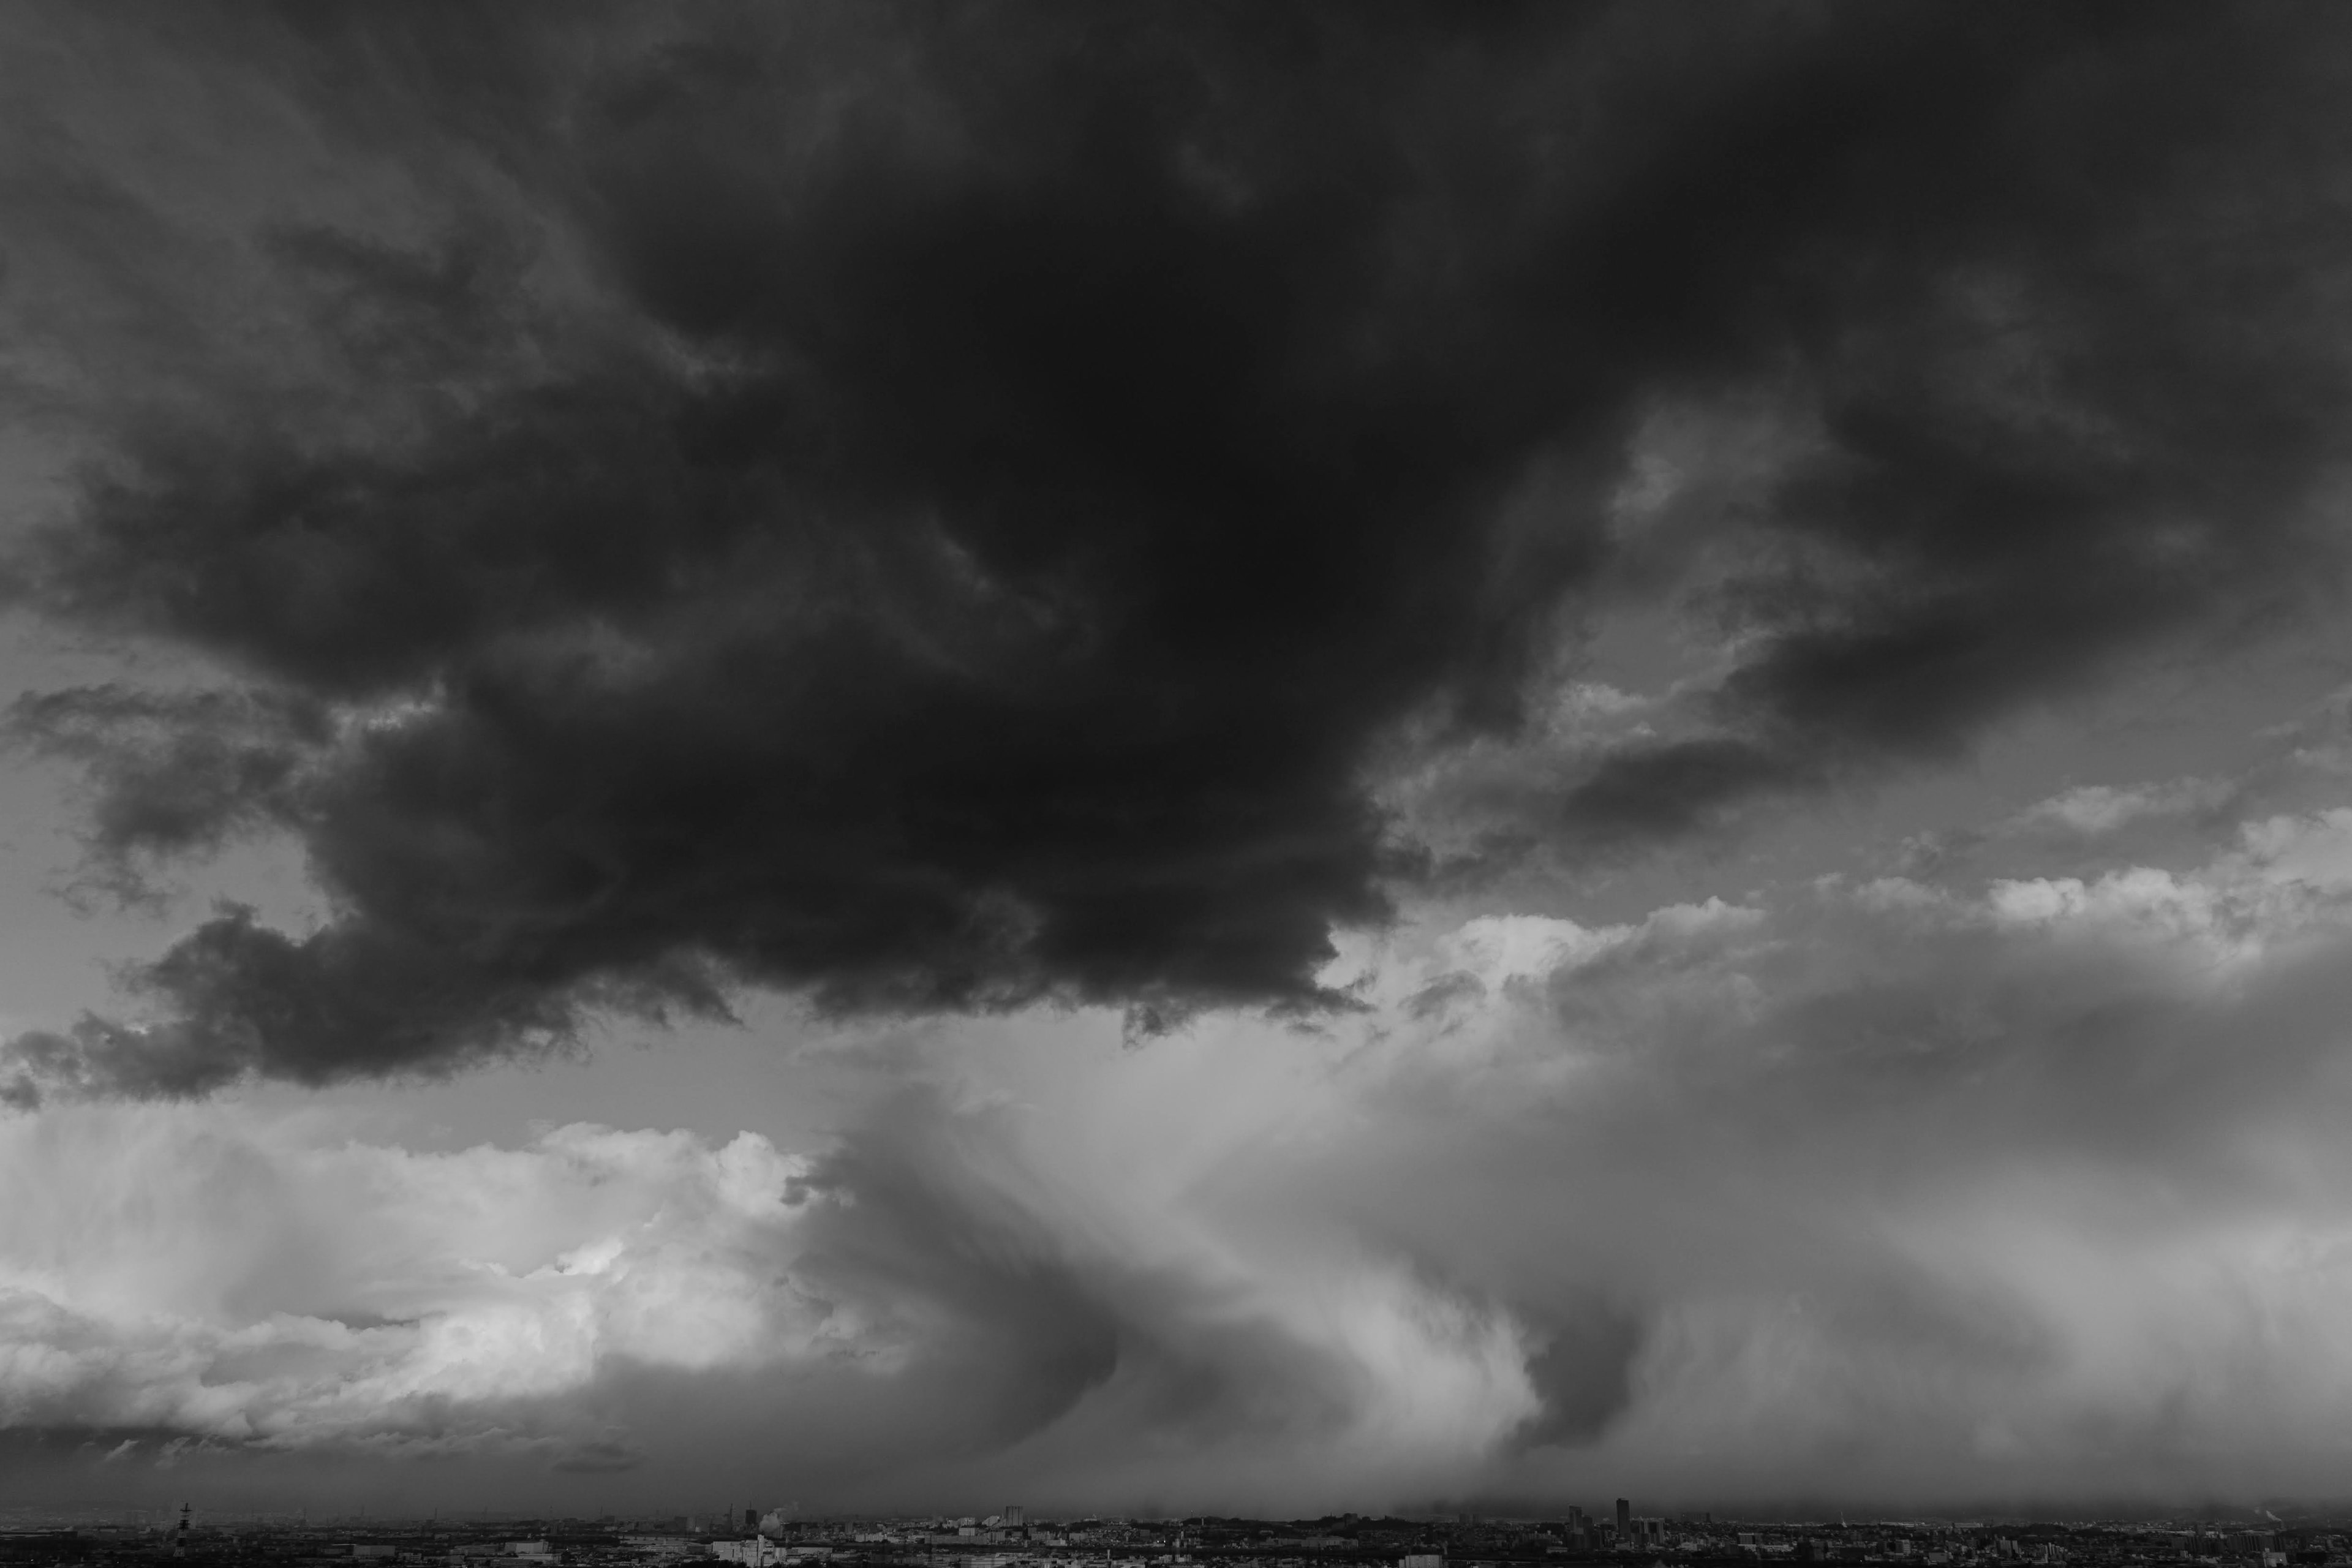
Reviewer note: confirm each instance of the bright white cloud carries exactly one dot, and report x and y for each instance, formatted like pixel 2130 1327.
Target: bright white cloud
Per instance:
pixel 2096 809
pixel 202 1271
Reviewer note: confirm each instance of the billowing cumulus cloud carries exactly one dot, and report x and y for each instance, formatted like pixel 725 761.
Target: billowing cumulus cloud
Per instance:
pixel 246 1284
pixel 955 511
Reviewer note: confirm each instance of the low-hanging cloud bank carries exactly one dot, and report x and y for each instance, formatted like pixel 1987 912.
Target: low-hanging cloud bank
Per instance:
pixel 951 510
pixel 2028 1188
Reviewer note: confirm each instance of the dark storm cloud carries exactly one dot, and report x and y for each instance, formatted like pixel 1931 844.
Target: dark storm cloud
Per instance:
pixel 934 509
pixel 1584 1373
pixel 171 774
pixel 1655 791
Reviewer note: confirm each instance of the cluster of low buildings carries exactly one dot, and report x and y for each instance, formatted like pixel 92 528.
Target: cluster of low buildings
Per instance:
pixel 1011 1539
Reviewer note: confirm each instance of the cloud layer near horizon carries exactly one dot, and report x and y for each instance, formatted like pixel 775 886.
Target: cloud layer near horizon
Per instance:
pixel 2012 1188
pixel 947 510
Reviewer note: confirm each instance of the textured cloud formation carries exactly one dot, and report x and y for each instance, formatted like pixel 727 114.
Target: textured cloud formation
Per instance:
pixel 248 1285
pixel 947 510
pixel 2026 1187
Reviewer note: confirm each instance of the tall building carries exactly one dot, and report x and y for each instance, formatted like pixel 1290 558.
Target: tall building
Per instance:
pixel 179 1536
pixel 1625 1516
pixel 1011 1516
pixel 751 1518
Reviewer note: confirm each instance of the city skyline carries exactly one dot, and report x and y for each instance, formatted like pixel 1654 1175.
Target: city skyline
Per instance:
pixel 1407 1543
pixel 1285 761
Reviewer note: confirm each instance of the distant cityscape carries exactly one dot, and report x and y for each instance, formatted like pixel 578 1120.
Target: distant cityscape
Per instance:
pixel 771 1537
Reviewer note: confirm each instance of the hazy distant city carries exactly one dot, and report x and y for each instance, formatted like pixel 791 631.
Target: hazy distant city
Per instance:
pixel 1010 1538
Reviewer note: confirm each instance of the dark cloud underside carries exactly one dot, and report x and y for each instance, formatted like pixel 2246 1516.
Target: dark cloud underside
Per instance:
pixel 934 508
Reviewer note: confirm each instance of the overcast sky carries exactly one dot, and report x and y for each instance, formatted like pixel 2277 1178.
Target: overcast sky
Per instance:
pixel 1235 757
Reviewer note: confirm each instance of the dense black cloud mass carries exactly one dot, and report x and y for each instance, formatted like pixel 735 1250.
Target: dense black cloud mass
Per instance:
pixel 934 508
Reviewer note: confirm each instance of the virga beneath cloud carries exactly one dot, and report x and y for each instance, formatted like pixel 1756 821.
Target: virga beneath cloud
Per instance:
pixel 1899 1191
